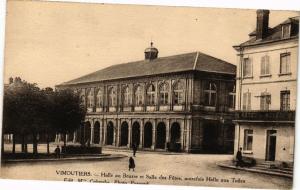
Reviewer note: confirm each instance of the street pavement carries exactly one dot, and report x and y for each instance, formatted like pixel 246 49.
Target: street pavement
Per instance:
pixel 151 167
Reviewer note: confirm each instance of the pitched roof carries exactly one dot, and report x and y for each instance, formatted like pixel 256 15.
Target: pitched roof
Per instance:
pixel 177 63
pixel 274 34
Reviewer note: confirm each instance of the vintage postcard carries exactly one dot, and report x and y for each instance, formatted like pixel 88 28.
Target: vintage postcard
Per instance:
pixel 135 94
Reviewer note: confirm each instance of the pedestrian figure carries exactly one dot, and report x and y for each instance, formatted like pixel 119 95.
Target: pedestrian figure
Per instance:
pixel 57 152
pixel 239 158
pixel 134 148
pixel 131 164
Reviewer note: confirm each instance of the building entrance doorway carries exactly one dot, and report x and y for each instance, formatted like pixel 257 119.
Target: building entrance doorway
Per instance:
pixel 161 136
pixel 136 133
pixel 148 135
pixel 210 137
pixel 97 132
pixel 174 144
pixel 271 145
pixel 110 133
pixel 124 134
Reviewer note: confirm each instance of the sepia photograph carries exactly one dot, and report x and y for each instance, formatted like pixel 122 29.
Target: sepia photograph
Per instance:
pixel 148 94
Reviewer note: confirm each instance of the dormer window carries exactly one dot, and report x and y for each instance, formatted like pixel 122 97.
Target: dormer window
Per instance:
pixel 286 30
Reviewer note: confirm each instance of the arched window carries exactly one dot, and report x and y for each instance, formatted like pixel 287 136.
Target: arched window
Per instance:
pixel 164 94
pixel 112 97
pixel 99 99
pixel 210 93
pixel 82 98
pixel 151 95
pixel 90 99
pixel 138 95
pixel 178 93
pixel 126 96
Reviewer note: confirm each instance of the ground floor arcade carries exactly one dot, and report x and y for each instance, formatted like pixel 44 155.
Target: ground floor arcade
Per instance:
pixel 156 132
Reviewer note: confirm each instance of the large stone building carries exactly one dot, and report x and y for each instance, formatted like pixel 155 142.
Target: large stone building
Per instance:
pixel 180 103
pixel 266 90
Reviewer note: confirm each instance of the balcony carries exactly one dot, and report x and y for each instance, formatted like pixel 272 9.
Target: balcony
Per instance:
pixel 270 115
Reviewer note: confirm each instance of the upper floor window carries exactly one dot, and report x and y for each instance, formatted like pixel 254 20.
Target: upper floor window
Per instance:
pixel 247 101
pixel 210 94
pixel 126 96
pixel 231 96
pixel 100 98
pixel 151 95
pixel 285 100
pixel 138 95
pixel 164 94
pixel 248 139
pixel 178 93
pixel 265 101
pixel 285 59
pixel 265 65
pixel 247 68
pixel 286 30
pixel 112 97
pixel 90 99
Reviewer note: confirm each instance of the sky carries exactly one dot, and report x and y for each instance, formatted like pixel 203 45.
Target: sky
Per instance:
pixel 49 43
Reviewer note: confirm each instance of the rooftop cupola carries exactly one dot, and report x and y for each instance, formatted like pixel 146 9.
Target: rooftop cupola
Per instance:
pixel 151 52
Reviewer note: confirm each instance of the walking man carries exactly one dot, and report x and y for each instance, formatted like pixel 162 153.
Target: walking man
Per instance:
pixel 131 164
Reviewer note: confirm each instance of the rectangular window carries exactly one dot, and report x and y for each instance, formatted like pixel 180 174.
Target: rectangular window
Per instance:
pixel 285 100
pixel 265 101
pixel 248 139
pixel 285 59
pixel 247 68
pixel 247 101
pixel 265 65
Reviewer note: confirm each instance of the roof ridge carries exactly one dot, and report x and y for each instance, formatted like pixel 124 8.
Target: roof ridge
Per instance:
pixel 196 60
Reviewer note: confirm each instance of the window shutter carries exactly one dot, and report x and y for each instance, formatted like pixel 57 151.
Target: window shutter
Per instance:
pixel 262 65
pixel 249 101
pixel 244 101
pixel 267 65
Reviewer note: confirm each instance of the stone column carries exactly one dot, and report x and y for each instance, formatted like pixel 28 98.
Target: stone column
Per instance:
pixel 188 135
pixel 105 131
pixel 153 136
pixel 100 131
pixel 92 133
pixel 182 135
pixel 167 132
pixel 141 145
pixel 115 133
pixel 118 132
pixel 129 133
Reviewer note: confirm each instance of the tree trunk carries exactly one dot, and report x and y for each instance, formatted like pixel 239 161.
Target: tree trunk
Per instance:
pixel 2 143
pixel 48 149
pixel 65 142
pixel 35 150
pixel 14 144
pixel 23 143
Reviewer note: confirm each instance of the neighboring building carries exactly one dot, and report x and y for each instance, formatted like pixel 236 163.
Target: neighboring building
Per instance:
pixel 180 103
pixel 266 90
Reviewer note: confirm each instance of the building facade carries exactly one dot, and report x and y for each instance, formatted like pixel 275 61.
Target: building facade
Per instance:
pixel 266 90
pixel 176 103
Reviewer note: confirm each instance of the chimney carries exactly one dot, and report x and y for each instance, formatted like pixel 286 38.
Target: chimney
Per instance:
pixel 262 23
